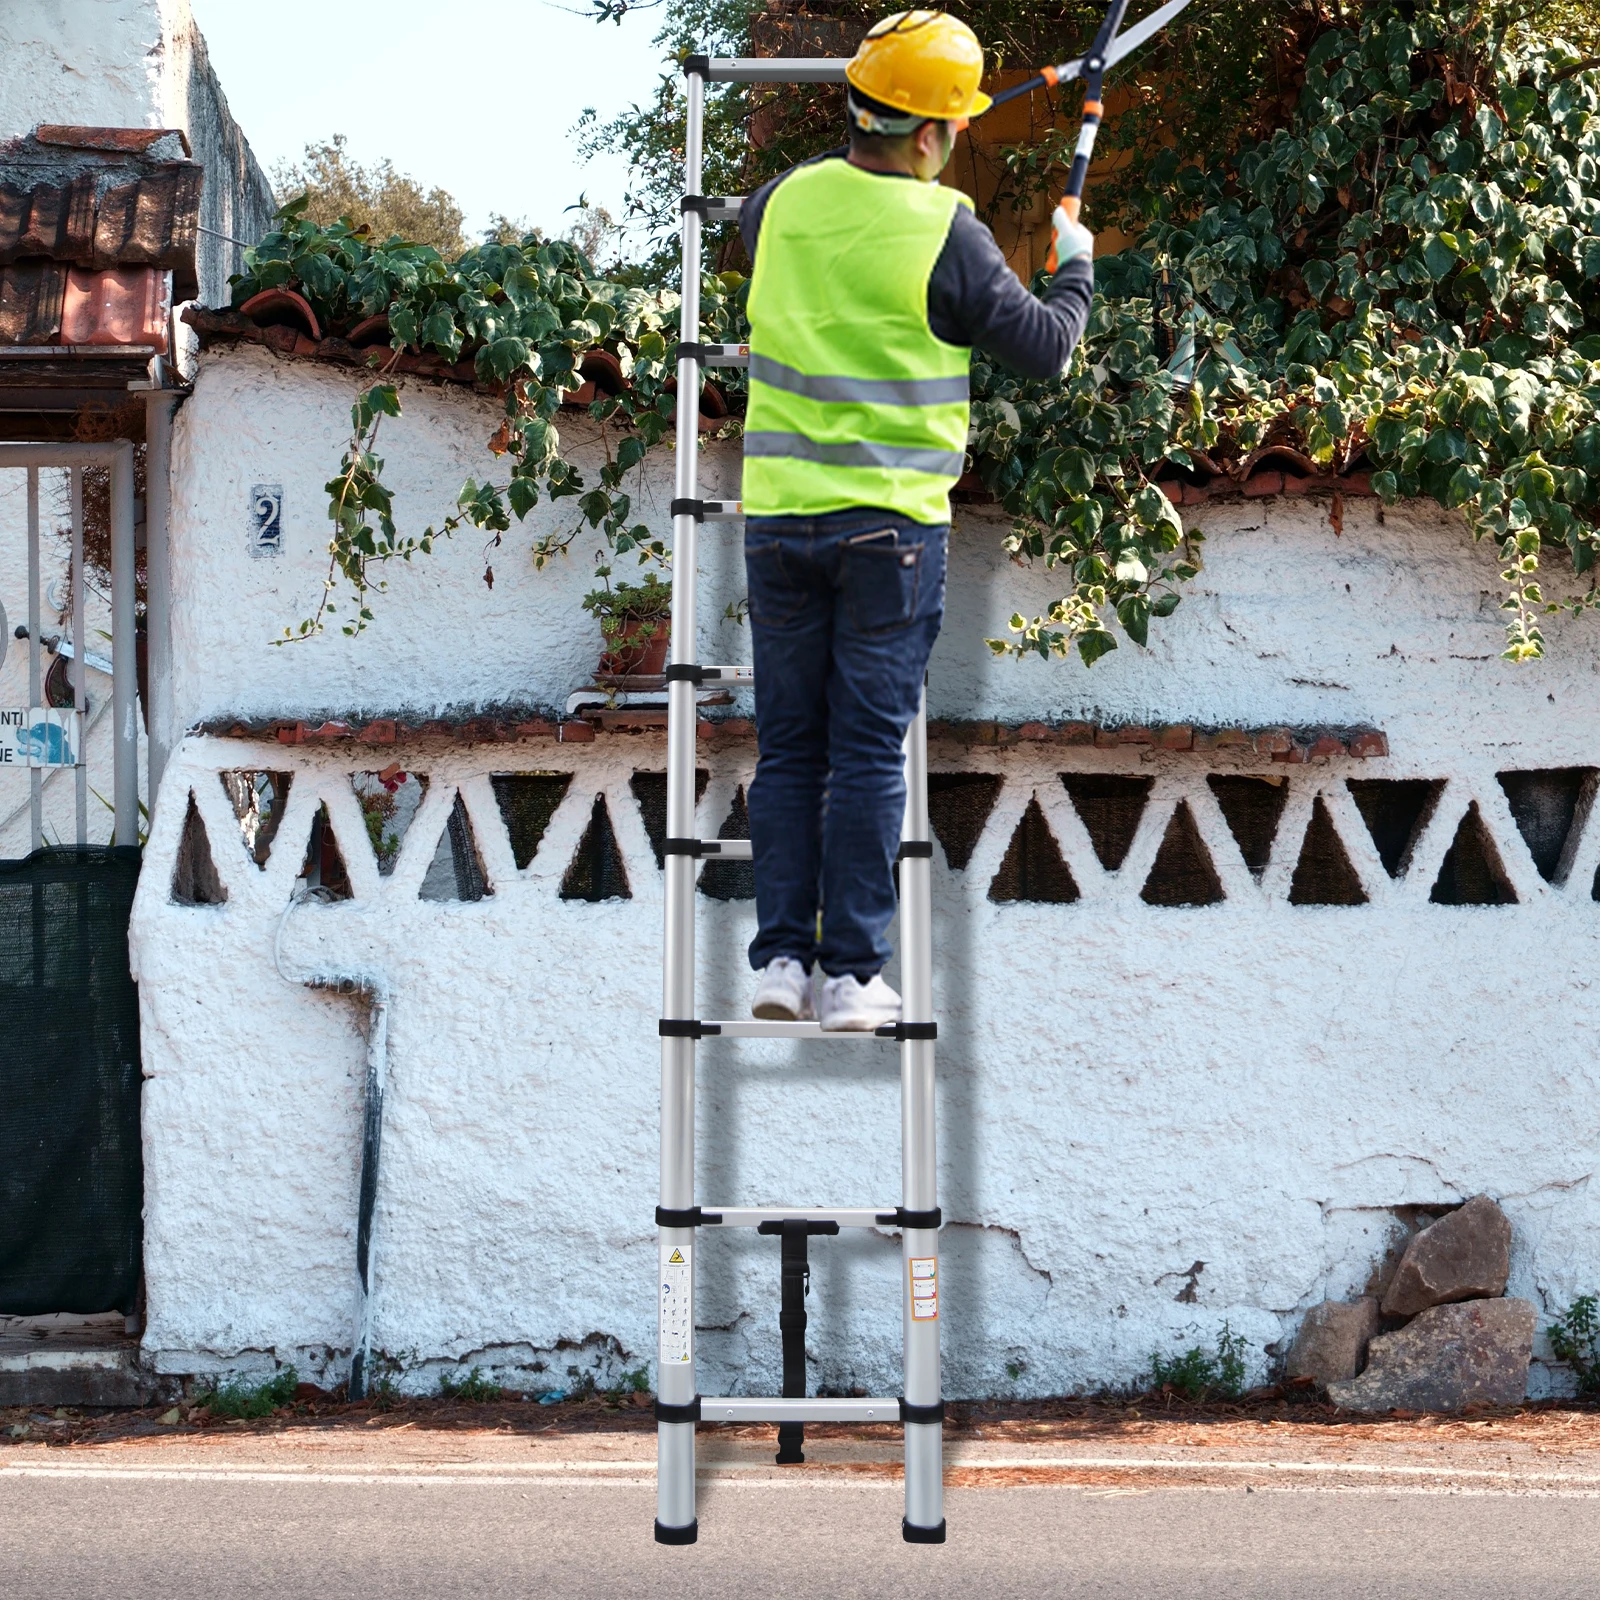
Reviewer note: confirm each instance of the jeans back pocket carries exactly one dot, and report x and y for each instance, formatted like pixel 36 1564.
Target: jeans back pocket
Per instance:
pixel 775 598
pixel 880 578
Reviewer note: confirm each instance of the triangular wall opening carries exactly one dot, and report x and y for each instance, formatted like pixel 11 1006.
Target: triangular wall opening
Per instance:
pixel 258 799
pixel 596 871
pixel 389 802
pixel 650 792
pixel 194 877
pixel 1323 875
pixel 1472 874
pixel 456 871
pixel 959 804
pixel 1252 808
pixel 1182 874
pixel 1110 807
pixel 1033 868
pixel 1545 805
pixel 527 801
pixel 323 867
pixel 1395 810
pixel 731 880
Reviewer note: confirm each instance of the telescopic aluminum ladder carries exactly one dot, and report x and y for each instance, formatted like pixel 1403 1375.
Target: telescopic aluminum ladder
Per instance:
pixel 679 1406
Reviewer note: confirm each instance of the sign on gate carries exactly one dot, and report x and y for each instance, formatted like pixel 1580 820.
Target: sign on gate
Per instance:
pixel 43 736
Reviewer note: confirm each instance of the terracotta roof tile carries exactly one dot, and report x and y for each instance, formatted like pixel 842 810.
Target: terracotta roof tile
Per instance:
pixel 102 198
pixel 31 297
pixel 127 141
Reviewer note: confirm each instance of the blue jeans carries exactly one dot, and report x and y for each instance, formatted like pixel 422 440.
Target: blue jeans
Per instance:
pixel 844 610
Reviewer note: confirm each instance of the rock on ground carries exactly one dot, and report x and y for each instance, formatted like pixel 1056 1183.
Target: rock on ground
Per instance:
pixel 1445 1359
pixel 1463 1256
pixel 1332 1341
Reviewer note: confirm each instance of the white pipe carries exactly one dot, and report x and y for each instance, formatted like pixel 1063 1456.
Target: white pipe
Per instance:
pixel 159 408
pixel 124 674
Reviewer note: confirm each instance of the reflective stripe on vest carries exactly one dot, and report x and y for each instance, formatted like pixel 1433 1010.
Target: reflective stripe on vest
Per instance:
pixel 942 463
pixel 853 399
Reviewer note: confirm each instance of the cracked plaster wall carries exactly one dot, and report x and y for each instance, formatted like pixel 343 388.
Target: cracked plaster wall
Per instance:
pixel 1127 1091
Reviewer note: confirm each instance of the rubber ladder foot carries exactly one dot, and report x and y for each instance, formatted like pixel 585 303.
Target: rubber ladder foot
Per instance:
pixel 915 1535
pixel 691 1532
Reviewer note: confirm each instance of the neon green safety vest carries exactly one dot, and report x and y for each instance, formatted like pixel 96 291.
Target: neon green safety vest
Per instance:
pixel 853 399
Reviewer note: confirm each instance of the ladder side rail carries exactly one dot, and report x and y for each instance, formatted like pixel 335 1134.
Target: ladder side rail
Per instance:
pixel 776 69
pixel 675 1380
pixel 924 1513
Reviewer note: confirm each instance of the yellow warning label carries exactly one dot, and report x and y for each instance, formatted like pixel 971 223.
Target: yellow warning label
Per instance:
pixel 676 1258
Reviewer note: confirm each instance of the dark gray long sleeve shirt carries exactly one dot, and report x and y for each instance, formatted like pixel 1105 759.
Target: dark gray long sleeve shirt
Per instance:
pixel 974 298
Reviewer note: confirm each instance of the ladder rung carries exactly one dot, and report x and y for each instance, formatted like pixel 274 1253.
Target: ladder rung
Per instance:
pixel 775 69
pixel 758 1409
pixel 726 849
pixel 723 207
pixel 781 1030
pixel 727 674
pixel 725 355
pixel 722 510
pixel 845 1217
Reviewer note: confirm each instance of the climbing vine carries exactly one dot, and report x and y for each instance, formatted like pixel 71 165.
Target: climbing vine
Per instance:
pixel 1402 273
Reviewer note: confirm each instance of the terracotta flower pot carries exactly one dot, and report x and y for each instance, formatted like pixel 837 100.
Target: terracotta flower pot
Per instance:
pixel 634 652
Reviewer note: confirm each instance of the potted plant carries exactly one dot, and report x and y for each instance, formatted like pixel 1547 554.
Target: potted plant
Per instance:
pixel 635 622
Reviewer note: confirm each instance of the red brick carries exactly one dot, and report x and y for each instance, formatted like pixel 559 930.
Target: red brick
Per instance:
pixel 1033 732
pixel 1173 492
pixel 535 730
pixel 1366 745
pixel 1273 741
pixel 292 733
pixel 575 733
pixel 1135 736
pixel 1106 738
pixel 1264 483
pixel 1293 483
pixel 1325 747
pixel 1222 739
pixel 1179 736
pixel 1357 483
pixel 380 732
pixel 1195 494
pixel 1075 733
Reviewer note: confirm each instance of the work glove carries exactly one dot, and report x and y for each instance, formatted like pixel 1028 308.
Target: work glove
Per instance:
pixel 1070 239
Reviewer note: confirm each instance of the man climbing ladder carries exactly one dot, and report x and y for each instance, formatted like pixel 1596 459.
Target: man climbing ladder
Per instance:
pixel 871 284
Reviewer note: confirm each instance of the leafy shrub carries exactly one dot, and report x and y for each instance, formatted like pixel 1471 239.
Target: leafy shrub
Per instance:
pixel 1575 1338
pixel 1402 273
pixel 239 1399
pixel 1200 1374
pixel 472 1387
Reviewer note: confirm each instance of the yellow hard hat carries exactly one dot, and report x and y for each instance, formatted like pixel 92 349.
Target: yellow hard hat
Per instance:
pixel 923 63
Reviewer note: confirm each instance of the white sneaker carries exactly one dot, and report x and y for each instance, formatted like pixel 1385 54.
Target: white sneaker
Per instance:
pixel 784 993
pixel 845 1005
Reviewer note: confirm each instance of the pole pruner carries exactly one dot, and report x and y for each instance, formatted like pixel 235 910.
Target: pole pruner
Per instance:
pixel 1109 47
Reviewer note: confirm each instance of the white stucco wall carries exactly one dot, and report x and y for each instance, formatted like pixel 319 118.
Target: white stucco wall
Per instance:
pixel 1126 1090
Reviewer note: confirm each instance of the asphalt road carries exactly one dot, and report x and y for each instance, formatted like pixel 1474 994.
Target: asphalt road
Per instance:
pixel 91 1536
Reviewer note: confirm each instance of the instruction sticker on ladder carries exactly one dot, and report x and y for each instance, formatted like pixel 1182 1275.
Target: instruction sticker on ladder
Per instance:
pixel 677 1304
pixel 924 1288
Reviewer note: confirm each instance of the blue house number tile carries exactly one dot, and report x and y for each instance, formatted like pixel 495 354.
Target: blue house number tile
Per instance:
pixel 266 519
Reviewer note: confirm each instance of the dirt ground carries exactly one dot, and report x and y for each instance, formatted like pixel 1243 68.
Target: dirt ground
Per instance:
pixel 1270 1437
